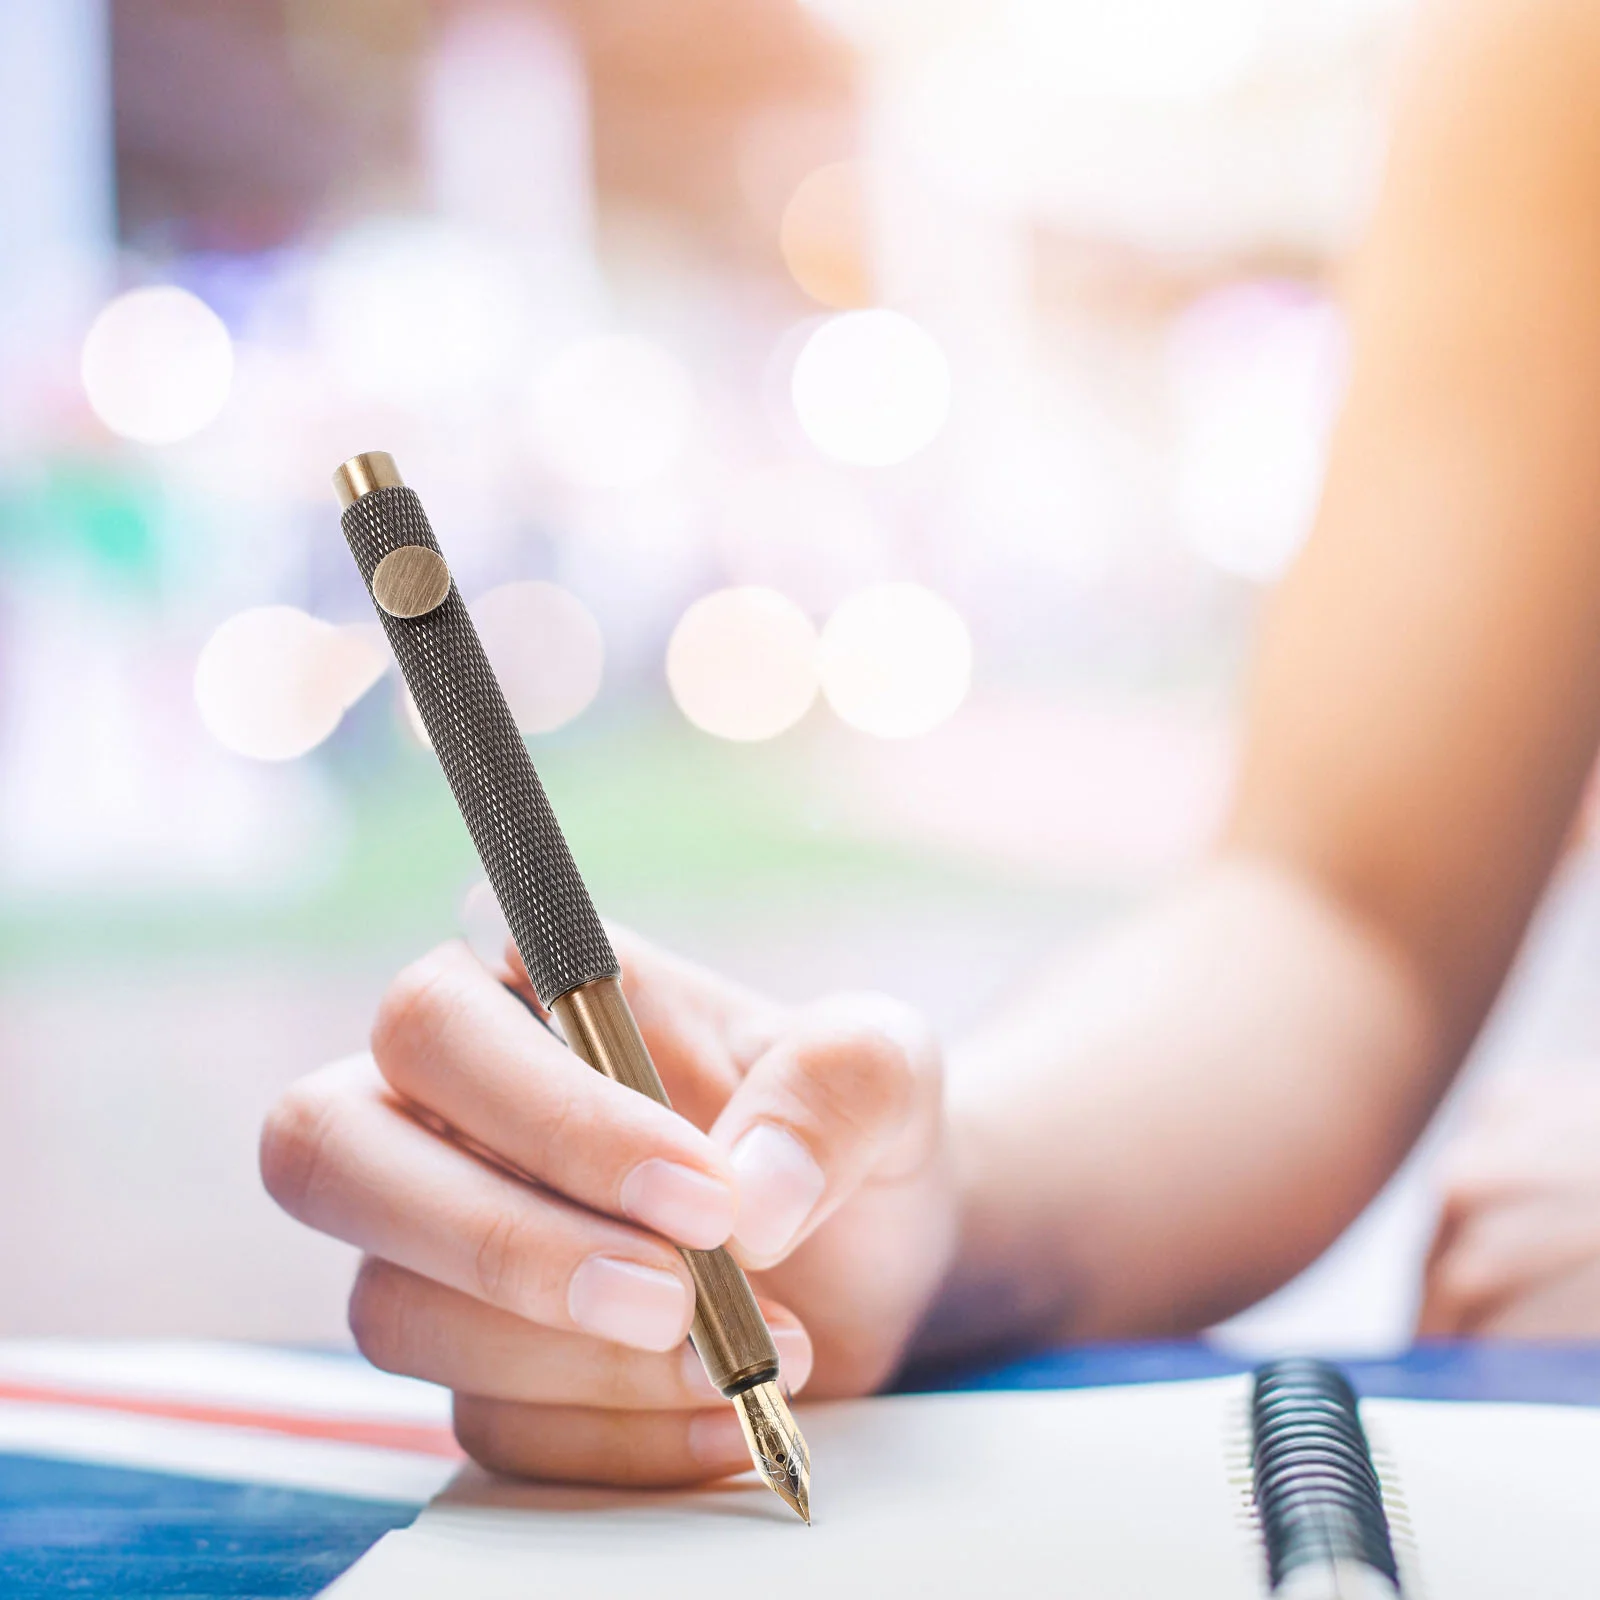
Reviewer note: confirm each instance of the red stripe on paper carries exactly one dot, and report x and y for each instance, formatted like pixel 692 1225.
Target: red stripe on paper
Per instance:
pixel 419 1438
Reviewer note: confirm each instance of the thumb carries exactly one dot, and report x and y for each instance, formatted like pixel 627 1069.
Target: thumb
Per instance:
pixel 850 1089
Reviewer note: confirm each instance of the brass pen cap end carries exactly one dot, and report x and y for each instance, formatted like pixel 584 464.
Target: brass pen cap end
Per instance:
pixel 362 474
pixel 776 1445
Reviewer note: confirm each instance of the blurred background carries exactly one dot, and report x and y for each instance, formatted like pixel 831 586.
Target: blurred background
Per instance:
pixel 864 431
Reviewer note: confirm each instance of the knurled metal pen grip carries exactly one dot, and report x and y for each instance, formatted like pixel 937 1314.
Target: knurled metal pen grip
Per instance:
pixel 488 767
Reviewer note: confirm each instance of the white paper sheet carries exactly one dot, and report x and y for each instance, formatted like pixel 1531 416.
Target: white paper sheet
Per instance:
pixel 1093 1493
pixel 1111 1494
pixel 1504 1500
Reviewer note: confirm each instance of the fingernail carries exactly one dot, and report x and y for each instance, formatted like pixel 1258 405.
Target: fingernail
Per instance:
pixel 628 1303
pixel 678 1201
pixel 794 1357
pixel 717 1440
pixel 694 1376
pixel 779 1184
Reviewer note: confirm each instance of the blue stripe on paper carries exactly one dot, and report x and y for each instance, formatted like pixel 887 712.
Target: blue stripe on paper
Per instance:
pixel 113 1533
pixel 1545 1374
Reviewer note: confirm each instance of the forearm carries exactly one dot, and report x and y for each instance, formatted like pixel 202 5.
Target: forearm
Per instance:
pixel 1170 1125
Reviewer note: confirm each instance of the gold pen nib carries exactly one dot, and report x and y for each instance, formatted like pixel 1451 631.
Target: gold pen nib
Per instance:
pixel 776 1445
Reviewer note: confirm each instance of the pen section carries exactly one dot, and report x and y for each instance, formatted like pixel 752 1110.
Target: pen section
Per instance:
pixel 729 1333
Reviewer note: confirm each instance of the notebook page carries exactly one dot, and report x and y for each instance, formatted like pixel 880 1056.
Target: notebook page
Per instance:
pixel 1504 1500
pixel 1115 1494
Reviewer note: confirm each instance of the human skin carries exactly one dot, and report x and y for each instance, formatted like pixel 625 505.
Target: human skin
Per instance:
pixel 819 1129
pixel 1163 1128
pixel 1517 1252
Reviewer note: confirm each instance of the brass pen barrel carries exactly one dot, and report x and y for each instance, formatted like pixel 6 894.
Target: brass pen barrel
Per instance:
pixel 729 1333
pixel 569 959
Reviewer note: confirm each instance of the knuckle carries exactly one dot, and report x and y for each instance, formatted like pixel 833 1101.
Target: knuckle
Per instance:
pixel 594 1131
pixel 1441 1311
pixel 1469 1174
pixel 561 1127
pixel 873 1060
pixel 413 1012
pixel 294 1144
pixel 616 1374
pixel 480 1430
pixel 506 1265
pixel 1463 1197
pixel 1466 1279
pixel 377 1315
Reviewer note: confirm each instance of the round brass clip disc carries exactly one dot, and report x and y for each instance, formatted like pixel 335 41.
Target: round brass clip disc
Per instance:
pixel 411 581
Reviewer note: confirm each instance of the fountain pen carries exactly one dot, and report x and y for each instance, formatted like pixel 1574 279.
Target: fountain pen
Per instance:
pixel 570 962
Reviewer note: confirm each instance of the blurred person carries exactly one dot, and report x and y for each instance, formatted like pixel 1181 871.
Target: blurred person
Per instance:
pixel 1517 1251
pixel 1160 1131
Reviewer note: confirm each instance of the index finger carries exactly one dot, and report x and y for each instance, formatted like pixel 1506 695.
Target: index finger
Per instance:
pixel 451 1040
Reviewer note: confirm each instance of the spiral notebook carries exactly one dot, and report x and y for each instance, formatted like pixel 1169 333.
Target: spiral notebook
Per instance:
pixel 1106 1494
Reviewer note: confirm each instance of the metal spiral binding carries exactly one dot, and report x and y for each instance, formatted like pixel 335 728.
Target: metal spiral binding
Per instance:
pixel 1317 1492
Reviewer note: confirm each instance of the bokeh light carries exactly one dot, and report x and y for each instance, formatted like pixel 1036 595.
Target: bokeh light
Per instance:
pixel 414 311
pixel 893 26
pixel 273 682
pixel 1256 371
pixel 742 663
pixel 545 648
pixel 871 388
pixel 157 365
pixel 1138 49
pixel 896 660
pixel 824 233
pixel 612 412
pixel 356 659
